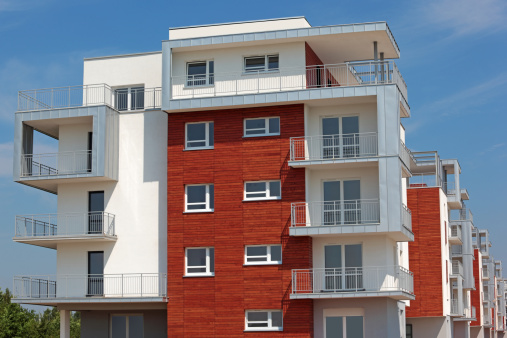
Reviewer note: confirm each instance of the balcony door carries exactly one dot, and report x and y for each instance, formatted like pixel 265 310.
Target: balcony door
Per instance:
pixel 95 212
pixel 343 268
pixel 95 273
pixel 340 137
pixel 344 327
pixel 342 202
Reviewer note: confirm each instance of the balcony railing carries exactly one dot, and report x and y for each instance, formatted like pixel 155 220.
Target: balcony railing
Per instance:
pixel 288 79
pixel 487 319
pixel 455 307
pixel 456 250
pixel 359 279
pixel 456 231
pixel 62 163
pixel 406 155
pixel 332 213
pixel 82 286
pixel 68 224
pixel 485 273
pixel 449 188
pixel 457 267
pixel 331 147
pixel 406 217
pixel 86 96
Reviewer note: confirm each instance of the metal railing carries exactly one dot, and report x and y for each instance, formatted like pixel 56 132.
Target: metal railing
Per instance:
pixel 424 180
pixel 485 272
pixel 62 163
pixel 406 156
pixel 457 267
pixel 456 231
pixel 329 213
pixel 353 279
pixel 89 95
pixel 456 250
pixel 329 147
pixel 287 79
pixel 487 319
pixel 82 286
pixel 455 307
pixel 65 224
pixel 406 217
pixel 449 188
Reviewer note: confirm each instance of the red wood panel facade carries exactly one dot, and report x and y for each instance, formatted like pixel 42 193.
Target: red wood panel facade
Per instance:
pixel 476 294
pixel 425 253
pixel 215 306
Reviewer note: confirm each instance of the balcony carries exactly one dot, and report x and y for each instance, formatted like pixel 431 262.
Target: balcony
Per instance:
pixel 455 308
pixel 386 281
pixel 64 163
pixel 406 217
pixel 111 288
pixel 287 79
pixel 487 319
pixel 457 268
pixel 455 236
pixel 407 159
pixel 47 230
pixel 324 149
pixel 485 273
pixel 456 250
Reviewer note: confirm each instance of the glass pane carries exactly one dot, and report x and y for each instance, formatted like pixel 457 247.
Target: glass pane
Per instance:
pixel 274 189
pixel 212 259
pixel 119 326
pixel 122 98
pixel 333 256
pixel 351 190
pixel 196 207
pixel 260 195
pixel 96 263
pixel 256 251
pixel 212 196
pixel 197 68
pixel 137 98
pixel 276 319
pixel 332 191
pixel 350 125
pixel 353 255
pixel 211 70
pixel 257 259
pixel 135 326
pixel 334 327
pixel 196 270
pixel 330 126
pixel 211 133
pixel 354 326
pixel 196 257
pixel 276 253
pixel 196 193
pixel 254 64
pixel 256 186
pixel 257 316
pixel 274 125
pixel 196 132
pixel 255 124
pixel 96 201
pixel 273 62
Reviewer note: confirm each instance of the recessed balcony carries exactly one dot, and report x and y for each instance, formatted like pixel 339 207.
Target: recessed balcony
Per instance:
pixel 456 268
pixel 325 283
pixel 47 230
pixel 455 236
pixel 56 164
pixel 456 308
pixel 457 250
pixel 107 288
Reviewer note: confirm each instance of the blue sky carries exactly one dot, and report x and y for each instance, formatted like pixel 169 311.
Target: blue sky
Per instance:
pixel 453 58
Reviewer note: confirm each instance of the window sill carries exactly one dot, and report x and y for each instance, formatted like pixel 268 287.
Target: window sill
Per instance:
pixel 198 211
pixel 261 330
pixel 261 264
pixel 261 199
pixel 260 135
pixel 193 276
pixel 198 148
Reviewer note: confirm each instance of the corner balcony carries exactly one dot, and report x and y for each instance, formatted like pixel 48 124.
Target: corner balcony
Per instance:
pixel 47 230
pixel 457 308
pixel 285 84
pixel 457 250
pixel 455 236
pixel 456 269
pixel 326 283
pixel 108 288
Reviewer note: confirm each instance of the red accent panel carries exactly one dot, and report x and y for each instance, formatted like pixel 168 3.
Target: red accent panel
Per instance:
pixel 215 306
pixel 476 294
pixel 425 259
pixel 316 76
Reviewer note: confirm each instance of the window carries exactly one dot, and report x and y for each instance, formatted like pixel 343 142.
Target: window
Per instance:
pixel 127 326
pixel 262 190
pixel 200 73
pixel 343 268
pixel 344 326
pixel 408 330
pixel 263 254
pixel 200 262
pixel 130 98
pixel 199 135
pixel 265 126
pixel 263 320
pixel 264 63
pixel 199 197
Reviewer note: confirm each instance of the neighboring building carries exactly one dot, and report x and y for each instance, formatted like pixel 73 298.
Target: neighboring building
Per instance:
pixel 286 199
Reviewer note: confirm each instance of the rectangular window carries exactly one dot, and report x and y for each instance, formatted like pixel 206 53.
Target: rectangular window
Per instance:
pixel 200 262
pixel 263 190
pixel 264 63
pixel 263 320
pixel 130 98
pixel 127 326
pixel 199 197
pixel 199 135
pixel 408 329
pixel 344 326
pixel 265 126
pixel 263 254
pixel 200 73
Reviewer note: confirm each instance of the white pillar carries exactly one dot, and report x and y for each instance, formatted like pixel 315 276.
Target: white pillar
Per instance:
pixel 64 324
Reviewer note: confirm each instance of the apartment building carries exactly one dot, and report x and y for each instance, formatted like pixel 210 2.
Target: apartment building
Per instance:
pixel 109 175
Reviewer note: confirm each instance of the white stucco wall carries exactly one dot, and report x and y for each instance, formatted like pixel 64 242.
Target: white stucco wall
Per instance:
pixel 434 327
pixel 74 137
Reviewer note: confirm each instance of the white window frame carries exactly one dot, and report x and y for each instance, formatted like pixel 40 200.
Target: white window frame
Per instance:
pixel 127 315
pixel 267 191
pixel 207 266
pixel 206 136
pixel 207 82
pixel 207 203
pixel 265 130
pixel 269 327
pixel 266 64
pixel 129 93
pixel 268 261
